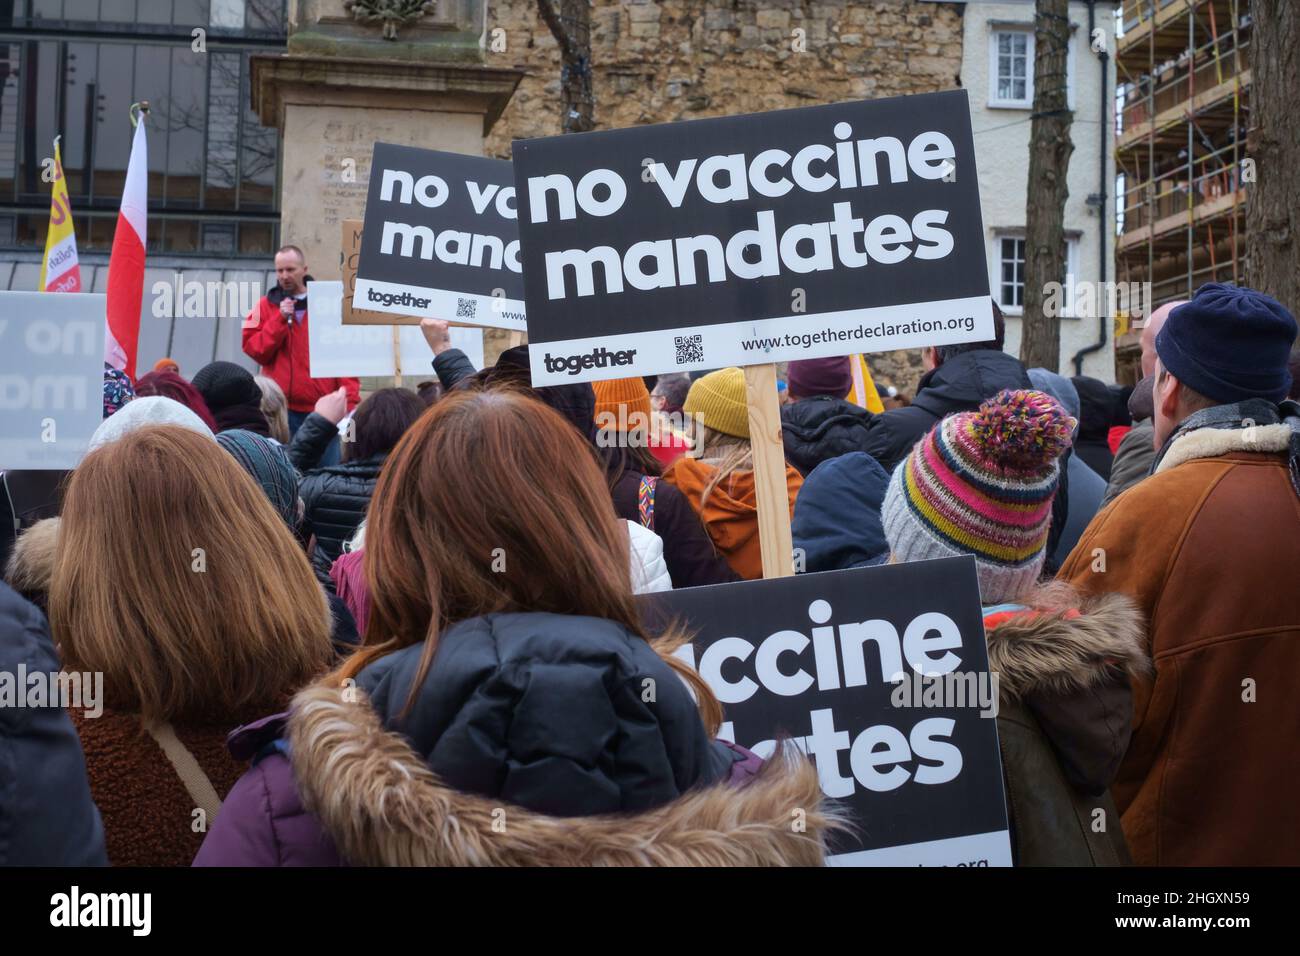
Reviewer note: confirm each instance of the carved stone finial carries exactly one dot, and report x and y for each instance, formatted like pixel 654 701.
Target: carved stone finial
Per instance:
pixel 392 13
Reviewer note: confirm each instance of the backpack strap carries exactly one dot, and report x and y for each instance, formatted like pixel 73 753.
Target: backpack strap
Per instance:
pixel 196 782
pixel 645 501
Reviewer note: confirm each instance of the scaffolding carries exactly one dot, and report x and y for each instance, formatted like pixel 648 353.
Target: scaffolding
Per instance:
pixel 1183 79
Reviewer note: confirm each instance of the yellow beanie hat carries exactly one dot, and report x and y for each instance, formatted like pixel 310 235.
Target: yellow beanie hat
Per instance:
pixel 629 393
pixel 719 398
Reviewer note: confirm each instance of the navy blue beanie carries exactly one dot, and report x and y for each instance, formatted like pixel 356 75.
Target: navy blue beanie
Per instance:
pixel 1230 344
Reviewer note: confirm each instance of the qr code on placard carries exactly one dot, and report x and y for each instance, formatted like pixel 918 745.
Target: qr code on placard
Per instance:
pixel 690 348
pixel 465 308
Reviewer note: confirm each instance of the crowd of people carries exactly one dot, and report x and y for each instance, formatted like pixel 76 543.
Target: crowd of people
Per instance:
pixel 429 650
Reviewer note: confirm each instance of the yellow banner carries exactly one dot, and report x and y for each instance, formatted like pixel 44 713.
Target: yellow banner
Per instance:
pixel 60 270
pixel 864 389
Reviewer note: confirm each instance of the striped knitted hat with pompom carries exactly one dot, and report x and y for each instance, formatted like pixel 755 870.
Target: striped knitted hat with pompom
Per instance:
pixel 981 483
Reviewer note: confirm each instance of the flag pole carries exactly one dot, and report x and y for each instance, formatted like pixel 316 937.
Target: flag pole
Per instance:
pixel 60 271
pixel 126 262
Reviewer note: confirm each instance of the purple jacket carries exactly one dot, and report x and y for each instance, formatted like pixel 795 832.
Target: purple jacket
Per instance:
pixel 263 822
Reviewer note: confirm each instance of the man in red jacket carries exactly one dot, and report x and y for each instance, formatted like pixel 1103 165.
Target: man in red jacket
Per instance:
pixel 275 335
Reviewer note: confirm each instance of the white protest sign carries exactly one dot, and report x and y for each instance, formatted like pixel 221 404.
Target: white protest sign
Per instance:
pixel 51 377
pixel 343 351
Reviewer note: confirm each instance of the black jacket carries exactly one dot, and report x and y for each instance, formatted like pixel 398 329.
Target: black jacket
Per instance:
pixel 549 712
pixel 1097 412
pixel 334 498
pixel 689 553
pixel 817 429
pixel 958 385
pixel 453 368
pixel 47 816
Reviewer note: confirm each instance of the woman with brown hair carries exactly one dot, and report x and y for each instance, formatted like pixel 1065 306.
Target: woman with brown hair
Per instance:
pixel 177 581
pixel 507 707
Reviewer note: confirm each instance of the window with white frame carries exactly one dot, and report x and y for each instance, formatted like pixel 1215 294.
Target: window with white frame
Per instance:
pixel 1011 67
pixel 1008 260
pixel 1011 272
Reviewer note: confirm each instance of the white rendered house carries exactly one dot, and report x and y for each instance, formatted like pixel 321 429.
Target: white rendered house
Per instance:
pixel 998 72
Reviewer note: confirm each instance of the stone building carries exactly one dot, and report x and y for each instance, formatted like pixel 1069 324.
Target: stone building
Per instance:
pixel 663 62
pixel 688 59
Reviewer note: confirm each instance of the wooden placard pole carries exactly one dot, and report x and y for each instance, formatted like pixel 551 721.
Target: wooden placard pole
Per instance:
pixel 516 339
pixel 397 355
pixel 770 492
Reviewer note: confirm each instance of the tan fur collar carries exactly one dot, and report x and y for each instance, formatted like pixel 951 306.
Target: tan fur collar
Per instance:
pixel 383 806
pixel 1215 442
pixel 1049 652
pixel 31 563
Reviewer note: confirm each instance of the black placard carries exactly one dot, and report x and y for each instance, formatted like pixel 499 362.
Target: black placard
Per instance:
pixel 440 239
pixel 641 249
pixel 810 657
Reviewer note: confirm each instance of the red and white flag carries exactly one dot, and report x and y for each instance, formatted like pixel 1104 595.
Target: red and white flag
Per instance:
pixel 126 264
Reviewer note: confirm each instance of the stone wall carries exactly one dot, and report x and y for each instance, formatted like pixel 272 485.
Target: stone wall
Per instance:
pixel 659 62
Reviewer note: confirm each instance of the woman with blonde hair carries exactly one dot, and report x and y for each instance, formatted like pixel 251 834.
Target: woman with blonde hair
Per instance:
pixel 176 580
pixel 719 480
pixel 506 675
pixel 275 408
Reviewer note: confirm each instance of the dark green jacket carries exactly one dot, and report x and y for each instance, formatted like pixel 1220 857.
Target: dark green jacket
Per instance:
pixel 1064 721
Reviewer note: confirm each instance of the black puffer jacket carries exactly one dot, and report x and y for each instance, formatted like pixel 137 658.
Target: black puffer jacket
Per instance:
pixel 818 429
pixel 958 385
pixel 547 712
pixel 334 498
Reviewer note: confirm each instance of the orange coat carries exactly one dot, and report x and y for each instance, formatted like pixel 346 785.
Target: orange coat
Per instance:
pixel 731 513
pixel 1209 546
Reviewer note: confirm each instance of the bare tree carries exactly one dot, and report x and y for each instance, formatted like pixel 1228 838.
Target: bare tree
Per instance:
pixel 1273 142
pixel 1049 163
pixel 571 27
pixel 217 112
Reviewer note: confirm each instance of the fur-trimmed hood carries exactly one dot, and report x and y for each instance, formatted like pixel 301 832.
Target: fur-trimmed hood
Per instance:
pixel 1070 663
pixel 1065 644
pixel 30 567
pixel 383 805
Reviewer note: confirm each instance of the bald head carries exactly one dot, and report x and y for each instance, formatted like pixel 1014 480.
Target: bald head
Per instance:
pixel 1149 332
